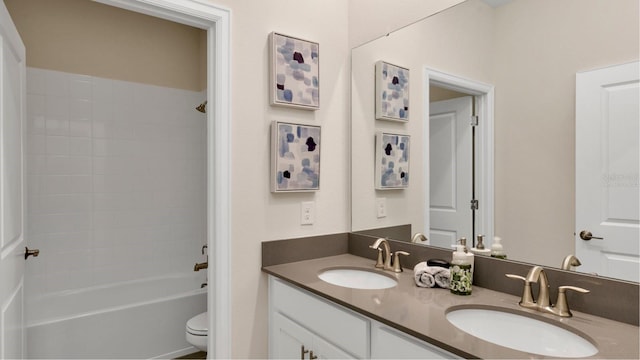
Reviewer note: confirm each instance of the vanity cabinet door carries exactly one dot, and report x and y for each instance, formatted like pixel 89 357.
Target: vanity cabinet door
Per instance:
pixel 389 343
pixel 292 341
pixel 339 332
pixel 288 339
pixel 326 350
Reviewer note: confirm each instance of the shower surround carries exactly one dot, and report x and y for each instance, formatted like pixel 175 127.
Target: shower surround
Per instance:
pixel 116 189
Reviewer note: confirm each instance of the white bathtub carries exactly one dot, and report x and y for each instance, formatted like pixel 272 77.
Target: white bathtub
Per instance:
pixel 137 319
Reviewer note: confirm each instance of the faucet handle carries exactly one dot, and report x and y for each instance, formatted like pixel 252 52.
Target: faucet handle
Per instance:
pixel 380 261
pixel 527 297
pixel 518 277
pixel 562 307
pixel 396 260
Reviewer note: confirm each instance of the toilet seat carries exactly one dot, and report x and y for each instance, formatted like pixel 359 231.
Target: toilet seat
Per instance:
pixel 197 331
pixel 198 325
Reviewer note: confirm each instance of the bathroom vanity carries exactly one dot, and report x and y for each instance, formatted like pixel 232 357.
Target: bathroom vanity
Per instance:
pixel 310 318
pixel 302 323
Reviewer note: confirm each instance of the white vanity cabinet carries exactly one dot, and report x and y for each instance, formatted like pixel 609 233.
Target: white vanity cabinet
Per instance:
pixel 300 321
pixel 298 318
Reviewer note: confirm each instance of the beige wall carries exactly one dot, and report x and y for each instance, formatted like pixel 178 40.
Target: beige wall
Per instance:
pixel 370 19
pixel 439 94
pixel 534 74
pixel 85 37
pixel 467 40
pixel 530 50
pixel 258 215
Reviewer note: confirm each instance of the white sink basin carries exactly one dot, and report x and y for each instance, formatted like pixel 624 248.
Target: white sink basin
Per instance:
pixel 357 278
pixel 521 332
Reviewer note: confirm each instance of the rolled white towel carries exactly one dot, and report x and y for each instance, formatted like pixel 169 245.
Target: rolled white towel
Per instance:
pixel 422 276
pixel 430 276
pixel 442 276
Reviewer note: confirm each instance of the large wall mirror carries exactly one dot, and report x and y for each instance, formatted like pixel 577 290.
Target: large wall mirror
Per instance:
pixel 521 67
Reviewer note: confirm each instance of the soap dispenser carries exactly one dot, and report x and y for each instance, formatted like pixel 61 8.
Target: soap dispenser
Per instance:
pixel 480 249
pixel 460 269
pixel 497 251
pixel 469 255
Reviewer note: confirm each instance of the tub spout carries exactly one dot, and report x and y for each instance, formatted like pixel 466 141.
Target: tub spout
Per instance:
pixel 200 266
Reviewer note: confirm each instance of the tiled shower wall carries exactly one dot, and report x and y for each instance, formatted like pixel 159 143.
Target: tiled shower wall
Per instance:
pixel 116 181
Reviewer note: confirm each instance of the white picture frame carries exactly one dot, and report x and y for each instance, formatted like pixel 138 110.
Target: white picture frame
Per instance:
pixel 392 92
pixel 295 157
pixel 295 72
pixel 392 160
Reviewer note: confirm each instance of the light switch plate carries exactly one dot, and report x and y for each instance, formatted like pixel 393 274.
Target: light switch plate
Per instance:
pixel 307 213
pixel 381 207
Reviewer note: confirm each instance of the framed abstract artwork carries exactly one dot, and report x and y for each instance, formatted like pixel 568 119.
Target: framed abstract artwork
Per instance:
pixel 295 157
pixel 295 72
pixel 392 161
pixel 392 92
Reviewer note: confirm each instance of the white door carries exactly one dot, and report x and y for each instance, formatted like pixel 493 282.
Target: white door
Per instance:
pixel 607 157
pixel 12 246
pixel 450 171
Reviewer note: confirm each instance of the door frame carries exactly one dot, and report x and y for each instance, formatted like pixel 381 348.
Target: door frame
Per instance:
pixel 484 95
pixel 216 21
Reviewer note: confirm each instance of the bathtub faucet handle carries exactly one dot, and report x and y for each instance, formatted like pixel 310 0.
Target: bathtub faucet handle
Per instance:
pixel 203 249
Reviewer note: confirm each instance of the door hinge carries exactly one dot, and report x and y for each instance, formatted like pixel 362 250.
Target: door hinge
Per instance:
pixel 475 205
pixel 474 120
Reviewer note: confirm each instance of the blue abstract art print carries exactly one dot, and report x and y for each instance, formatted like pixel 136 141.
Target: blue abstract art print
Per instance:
pixel 392 92
pixel 295 164
pixel 392 161
pixel 295 72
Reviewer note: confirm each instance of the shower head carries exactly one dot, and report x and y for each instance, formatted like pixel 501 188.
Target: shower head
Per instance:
pixel 202 107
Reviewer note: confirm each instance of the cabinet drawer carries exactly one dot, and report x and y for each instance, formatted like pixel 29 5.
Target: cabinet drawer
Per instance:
pixel 333 323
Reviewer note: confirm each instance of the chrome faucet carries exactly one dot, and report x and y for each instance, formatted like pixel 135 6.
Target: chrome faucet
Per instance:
pixel 380 263
pixel 543 303
pixel 384 256
pixel 569 261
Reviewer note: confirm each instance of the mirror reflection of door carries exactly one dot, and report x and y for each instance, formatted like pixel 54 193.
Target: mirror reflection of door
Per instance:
pixel 450 167
pixel 607 160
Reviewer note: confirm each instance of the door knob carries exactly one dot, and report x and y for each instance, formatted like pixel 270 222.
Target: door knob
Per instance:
pixel 587 235
pixel 27 252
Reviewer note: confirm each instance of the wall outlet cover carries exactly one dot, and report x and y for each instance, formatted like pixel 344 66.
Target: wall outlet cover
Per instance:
pixel 307 213
pixel 381 207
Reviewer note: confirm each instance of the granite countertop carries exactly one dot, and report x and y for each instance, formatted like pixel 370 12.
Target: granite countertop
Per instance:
pixel 421 312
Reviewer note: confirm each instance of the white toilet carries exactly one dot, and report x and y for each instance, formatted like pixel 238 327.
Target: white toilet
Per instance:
pixel 197 331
